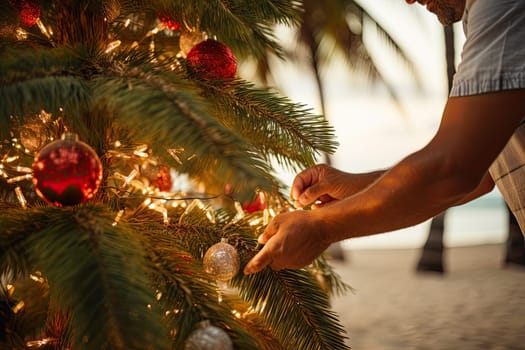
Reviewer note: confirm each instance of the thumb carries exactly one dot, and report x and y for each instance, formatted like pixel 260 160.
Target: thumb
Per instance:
pixel 311 194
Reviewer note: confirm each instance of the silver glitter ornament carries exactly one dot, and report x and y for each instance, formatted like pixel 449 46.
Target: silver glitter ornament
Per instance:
pixel 208 337
pixel 222 261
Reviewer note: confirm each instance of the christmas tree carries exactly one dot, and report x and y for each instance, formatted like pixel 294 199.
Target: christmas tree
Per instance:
pixel 137 168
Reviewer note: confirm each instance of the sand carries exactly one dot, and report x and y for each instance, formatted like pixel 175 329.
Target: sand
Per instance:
pixel 477 304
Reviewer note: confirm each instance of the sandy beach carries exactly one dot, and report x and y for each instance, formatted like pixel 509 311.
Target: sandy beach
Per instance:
pixel 477 304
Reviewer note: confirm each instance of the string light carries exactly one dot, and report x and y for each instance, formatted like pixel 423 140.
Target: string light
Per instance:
pixel 21 198
pixel 113 45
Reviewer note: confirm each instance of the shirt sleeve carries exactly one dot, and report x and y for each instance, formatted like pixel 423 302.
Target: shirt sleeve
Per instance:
pixel 493 56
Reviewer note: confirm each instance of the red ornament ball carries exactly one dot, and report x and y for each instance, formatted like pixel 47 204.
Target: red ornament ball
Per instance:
pixel 29 12
pixel 256 205
pixel 163 180
pixel 212 60
pixel 168 21
pixel 67 172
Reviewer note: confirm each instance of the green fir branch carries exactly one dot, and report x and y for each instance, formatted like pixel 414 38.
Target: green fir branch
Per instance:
pixel 97 271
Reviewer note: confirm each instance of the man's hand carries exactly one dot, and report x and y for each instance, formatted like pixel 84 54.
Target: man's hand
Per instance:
pixel 322 184
pixel 292 240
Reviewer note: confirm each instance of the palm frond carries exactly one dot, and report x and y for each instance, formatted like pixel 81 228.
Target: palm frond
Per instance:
pixel 166 112
pixel 246 29
pixel 187 293
pixel 97 271
pixel 40 79
pixel 273 124
pixel 293 304
pixel 16 228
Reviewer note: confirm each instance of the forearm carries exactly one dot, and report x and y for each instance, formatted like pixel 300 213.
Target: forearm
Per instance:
pixel 486 185
pixel 364 180
pixel 413 191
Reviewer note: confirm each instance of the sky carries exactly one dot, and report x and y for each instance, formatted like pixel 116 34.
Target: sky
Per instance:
pixel 374 134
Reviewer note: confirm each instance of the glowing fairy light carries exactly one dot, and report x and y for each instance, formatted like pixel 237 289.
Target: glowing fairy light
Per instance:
pixel 43 29
pixel 118 217
pixel 10 159
pixel 174 153
pixel 20 196
pixel 118 144
pixel 127 22
pixel 37 277
pixel 19 178
pixel 130 177
pixel 18 307
pixel 140 151
pixel 40 343
pixel 20 34
pixel 23 169
pixel 113 45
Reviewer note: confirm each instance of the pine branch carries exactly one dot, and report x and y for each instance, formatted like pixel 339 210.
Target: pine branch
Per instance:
pixel 165 112
pixel 273 124
pixel 97 271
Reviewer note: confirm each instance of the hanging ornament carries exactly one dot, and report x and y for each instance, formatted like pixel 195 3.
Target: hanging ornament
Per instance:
pixel 29 12
pixel 208 337
pixel 163 180
pixel 67 172
pixel 168 21
pixel 212 60
pixel 222 261
pixel 33 134
pixel 188 40
pixel 256 205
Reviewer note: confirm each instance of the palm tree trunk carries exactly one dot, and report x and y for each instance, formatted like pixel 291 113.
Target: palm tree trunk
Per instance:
pixel 515 249
pixel 432 255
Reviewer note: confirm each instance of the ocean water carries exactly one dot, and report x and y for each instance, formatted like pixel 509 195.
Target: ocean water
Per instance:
pixel 482 221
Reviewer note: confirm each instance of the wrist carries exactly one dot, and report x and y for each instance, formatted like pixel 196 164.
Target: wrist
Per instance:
pixel 331 229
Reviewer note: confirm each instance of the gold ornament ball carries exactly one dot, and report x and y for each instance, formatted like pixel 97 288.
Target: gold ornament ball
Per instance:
pixel 222 261
pixel 188 40
pixel 33 137
pixel 208 337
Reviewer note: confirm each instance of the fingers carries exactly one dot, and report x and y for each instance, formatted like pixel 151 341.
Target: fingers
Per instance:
pixel 309 185
pixel 269 231
pixel 304 180
pixel 259 261
pixel 265 255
